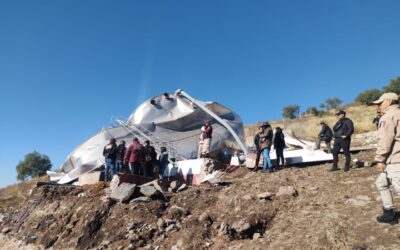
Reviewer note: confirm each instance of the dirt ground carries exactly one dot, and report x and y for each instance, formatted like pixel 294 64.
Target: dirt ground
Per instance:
pixel 294 208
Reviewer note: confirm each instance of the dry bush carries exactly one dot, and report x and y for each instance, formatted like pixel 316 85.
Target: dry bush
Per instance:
pixel 14 195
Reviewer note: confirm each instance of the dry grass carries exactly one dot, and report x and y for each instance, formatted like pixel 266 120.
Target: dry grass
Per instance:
pixel 308 127
pixel 16 194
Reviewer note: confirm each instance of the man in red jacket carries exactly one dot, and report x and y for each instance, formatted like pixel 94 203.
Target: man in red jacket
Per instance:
pixel 134 156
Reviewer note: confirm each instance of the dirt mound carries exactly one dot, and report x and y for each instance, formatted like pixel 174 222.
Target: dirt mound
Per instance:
pixel 295 208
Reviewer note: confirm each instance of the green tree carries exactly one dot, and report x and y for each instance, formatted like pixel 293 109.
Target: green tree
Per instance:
pixel 394 86
pixel 291 111
pixel 331 103
pixel 368 96
pixel 34 165
pixel 312 111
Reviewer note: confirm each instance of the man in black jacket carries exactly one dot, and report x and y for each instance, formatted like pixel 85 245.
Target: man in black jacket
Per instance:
pixel 258 150
pixel 110 153
pixel 342 132
pixel 121 149
pixel 324 135
pixel 150 158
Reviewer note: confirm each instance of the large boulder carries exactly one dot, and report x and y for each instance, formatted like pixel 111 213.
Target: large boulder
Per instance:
pixel 123 192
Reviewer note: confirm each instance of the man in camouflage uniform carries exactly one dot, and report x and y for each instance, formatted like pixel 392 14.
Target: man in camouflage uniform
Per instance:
pixel 388 154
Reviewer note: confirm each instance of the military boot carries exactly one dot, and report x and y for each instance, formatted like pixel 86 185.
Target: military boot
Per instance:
pixel 388 217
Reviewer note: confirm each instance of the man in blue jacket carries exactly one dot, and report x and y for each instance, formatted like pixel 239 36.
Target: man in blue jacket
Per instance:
pixel 342 132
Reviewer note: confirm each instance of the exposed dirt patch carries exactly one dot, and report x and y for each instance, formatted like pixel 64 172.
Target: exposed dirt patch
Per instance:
pixel 295 208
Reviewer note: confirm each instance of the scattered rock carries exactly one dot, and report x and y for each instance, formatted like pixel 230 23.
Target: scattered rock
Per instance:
pixel 161 224
pixel 265 196
pixel 176 212
pixel 205 218
pixel 223 229
pixel 356 202
pixel 170 228
pixel 6 230
pixel 182 187
pixel 288 190
pixel 241 226
pixel 149 191
pixel 82 195
pixel 141 199
pixel 123 192
pixel 2 216
pixel 256 236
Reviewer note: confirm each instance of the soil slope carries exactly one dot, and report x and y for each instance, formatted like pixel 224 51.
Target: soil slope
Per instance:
pixel 294 208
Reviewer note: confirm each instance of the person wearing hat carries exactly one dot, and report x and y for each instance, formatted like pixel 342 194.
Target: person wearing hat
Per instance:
pixel 110 153
pixel 388 154
pixel 342 132
pixel 325 134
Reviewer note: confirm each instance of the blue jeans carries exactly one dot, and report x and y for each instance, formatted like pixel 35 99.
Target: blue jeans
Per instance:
pixel 110 165
pixel 119 166
pixel 266 160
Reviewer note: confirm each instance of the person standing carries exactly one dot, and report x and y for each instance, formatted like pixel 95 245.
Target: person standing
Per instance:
pixel 134 156
pixel 377 118
pixel 150 158
pixel 109 153
pixel 279 145
pixel 258 150
pixel 325 134
pixel 163 161
pixel 266 135
pixel 206 136
pixel 121 149
pixel 342 132
pixel 388 154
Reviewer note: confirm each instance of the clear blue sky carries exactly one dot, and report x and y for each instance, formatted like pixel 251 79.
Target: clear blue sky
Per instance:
pixel 67 67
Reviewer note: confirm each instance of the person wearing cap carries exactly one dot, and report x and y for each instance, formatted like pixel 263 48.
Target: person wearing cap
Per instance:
pixel 325 134
pixel 388 154
pixel 134 156
pixel 109 153
pixel 205 139
pixel 342 132
pixel 121 149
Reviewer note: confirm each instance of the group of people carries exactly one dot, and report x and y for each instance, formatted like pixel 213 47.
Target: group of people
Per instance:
pixel 387 156
pixel 136 159
pixel 263 142
pixel 143 160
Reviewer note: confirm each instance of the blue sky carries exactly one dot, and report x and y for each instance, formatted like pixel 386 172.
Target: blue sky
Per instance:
pixel 68 67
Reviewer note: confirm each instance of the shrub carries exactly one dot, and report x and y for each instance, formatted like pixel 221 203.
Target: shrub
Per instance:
pixel 368 96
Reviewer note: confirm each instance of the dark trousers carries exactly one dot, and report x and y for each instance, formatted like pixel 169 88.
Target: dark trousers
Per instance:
pixel 341 144
pixel 279 156
pixel 136 167
pixel 258 155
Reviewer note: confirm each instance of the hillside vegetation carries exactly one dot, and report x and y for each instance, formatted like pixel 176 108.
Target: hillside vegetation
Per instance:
pixel 307 127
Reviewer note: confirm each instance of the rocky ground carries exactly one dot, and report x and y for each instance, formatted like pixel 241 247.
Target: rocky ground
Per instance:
pixel 294 208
